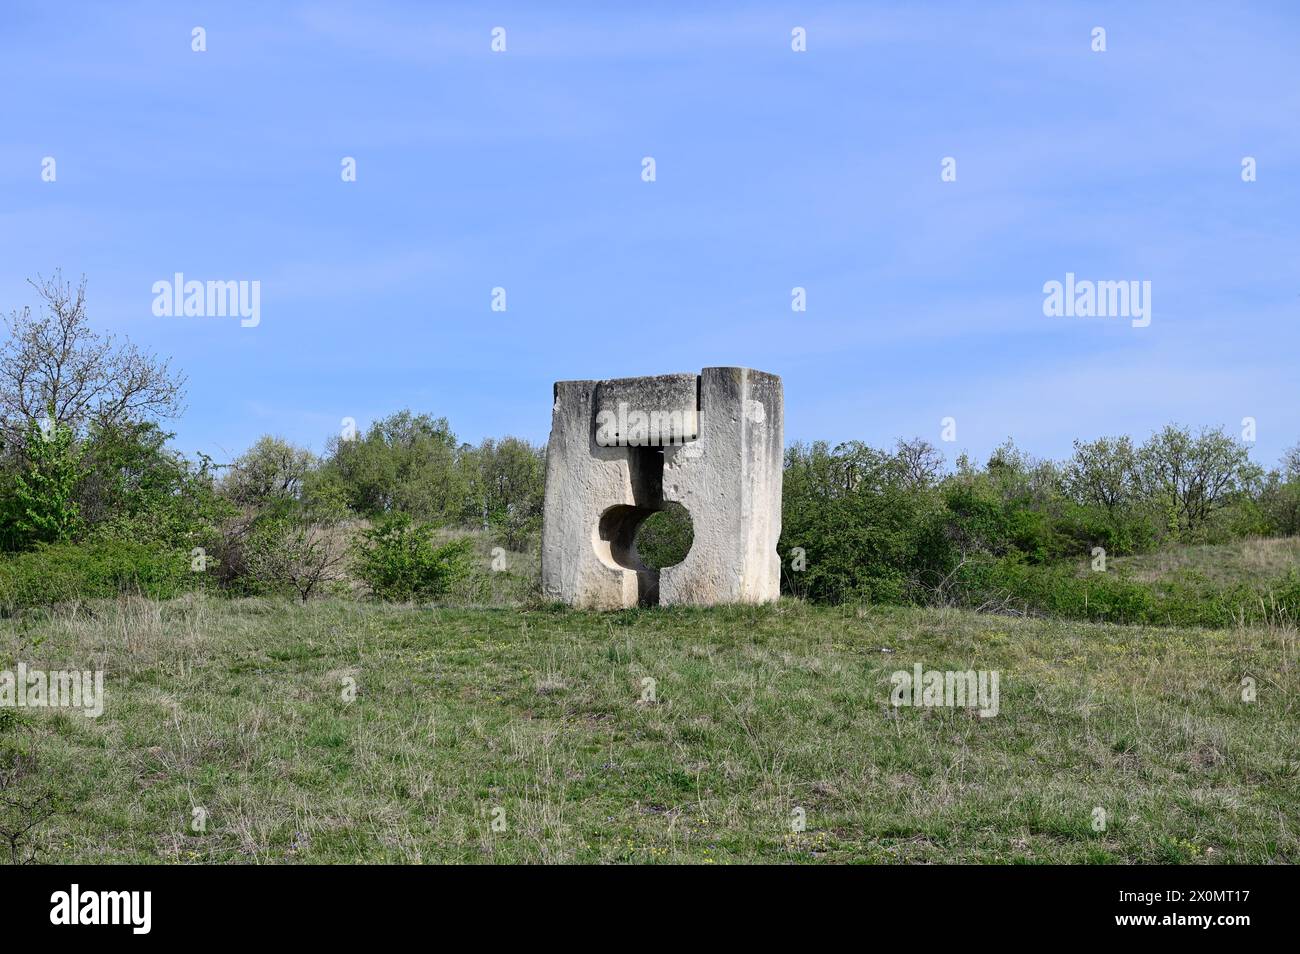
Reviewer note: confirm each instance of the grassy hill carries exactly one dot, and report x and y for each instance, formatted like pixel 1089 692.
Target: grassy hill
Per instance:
pixel 540 721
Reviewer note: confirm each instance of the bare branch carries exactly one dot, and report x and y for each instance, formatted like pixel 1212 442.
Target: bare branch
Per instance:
pixel 56 364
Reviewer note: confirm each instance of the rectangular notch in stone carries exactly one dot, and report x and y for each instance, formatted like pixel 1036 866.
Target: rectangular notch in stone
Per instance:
pixel 657 411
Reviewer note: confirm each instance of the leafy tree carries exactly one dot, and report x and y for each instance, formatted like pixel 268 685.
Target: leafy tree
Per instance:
pixel 1103 482
pixel 505 483
pixel 44 505
pixel 1279 500
pixel 1104 473
pixel 405 463
pixel 271 471
pixel 1194 476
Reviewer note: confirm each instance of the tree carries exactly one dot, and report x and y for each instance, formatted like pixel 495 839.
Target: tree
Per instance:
pixel 44 504
pixel 506 483
pixel 1280 497
pixel 1021 479
pixel 57 364
pixel 1279 500
pixel 271 470
pixel 1291 464
pixel 134 487
pixel 919 462
pixel 404 463
pixel 1195 476
pixel 1103 473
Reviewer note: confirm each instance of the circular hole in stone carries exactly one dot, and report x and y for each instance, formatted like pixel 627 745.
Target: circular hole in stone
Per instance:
pixel 615 538
pixel 665 537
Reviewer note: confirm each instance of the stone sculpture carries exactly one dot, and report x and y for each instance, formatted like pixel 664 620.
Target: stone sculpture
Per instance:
pixel 622 449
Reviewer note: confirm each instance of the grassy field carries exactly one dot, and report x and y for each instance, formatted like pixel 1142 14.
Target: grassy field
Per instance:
pixel 1257 560
pixel 510 735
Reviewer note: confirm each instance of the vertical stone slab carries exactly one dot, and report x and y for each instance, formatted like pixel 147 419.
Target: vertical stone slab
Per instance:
pixel 582 482
pixel 730 483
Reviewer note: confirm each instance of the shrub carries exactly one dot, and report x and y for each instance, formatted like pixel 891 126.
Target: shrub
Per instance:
pixel 61 573
pixel 44 508
pixel 295 551
pixel 135 488
pixel 1015 585
pixel 400 560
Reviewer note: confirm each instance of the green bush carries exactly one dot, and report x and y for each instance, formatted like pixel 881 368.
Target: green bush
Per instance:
pixel 665 538
pixel 400 560
pixel 42 507
pixel 135 489
pixel 855 527
pixel 61 573
pixel 1082 527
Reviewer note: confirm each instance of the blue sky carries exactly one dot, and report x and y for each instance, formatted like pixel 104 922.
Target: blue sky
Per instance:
pixel 775 169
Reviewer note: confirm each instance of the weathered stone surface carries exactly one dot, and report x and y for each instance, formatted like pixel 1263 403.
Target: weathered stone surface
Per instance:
pixel 621 449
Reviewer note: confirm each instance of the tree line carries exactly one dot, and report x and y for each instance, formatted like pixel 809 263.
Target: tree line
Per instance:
pixel 896 526
pixel 88 480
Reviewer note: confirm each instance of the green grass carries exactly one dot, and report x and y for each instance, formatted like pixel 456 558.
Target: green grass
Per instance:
pixel 1255 560
pixel 537 715
pixel 1247 582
